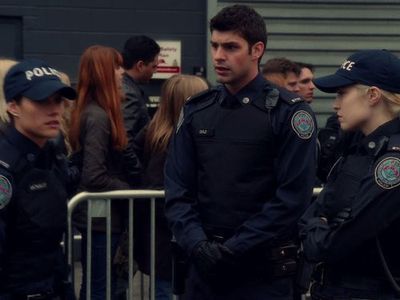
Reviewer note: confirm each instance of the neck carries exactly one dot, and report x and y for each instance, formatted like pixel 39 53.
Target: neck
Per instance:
pixel 376 121
pixel 40 141
pixel 133 73
pixel 235 87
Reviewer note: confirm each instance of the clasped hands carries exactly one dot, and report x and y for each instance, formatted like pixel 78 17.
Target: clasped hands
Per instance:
pixel 213 259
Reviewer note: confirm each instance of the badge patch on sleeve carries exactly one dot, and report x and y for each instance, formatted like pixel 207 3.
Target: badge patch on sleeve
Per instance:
pixel 303 124
pixel 387 172
pixel 5 191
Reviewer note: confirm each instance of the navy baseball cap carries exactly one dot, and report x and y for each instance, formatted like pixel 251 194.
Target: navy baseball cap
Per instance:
pixel 36 80
pixel 378 68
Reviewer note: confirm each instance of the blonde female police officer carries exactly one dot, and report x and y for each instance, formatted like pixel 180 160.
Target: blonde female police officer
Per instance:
pixel 33 201
pixel 353 227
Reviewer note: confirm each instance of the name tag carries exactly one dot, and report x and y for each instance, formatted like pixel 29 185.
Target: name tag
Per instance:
pixel 38 186
pixel 205 132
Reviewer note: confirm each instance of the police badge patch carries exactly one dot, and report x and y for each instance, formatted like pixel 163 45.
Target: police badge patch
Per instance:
pixel 303 124
pixel 387 172
pixel 5 191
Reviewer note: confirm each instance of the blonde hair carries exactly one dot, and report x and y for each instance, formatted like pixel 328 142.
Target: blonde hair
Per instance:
pixel 66 117
pixel 392 100
pixel 174 92
pixel 5 65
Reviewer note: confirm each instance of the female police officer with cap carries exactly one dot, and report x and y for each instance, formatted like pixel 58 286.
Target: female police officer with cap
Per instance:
pixel 33 202
pixel 353 227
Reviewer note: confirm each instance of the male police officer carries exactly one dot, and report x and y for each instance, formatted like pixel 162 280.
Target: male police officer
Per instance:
pixel 33 200
pixel 240 171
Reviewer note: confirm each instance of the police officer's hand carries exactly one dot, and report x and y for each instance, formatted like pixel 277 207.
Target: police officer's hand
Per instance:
pixel 341 216
pixel 228 259
pixel 205 257
pixel 213 260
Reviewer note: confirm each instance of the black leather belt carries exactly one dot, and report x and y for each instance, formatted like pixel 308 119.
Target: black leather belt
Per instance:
pixel 357 286
pixel 36 296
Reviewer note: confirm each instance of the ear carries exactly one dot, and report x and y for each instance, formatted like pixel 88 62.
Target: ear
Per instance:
pixel 140 64
pixel 257 50
pixel 13 109
pixel 374 95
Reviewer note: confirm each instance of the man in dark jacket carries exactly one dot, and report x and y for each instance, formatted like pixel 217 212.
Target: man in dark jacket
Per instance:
pixel 140 55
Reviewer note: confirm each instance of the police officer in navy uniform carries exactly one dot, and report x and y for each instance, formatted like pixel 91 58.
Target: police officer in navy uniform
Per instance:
pixel 351 230
pixel 33 200
pixel 240 171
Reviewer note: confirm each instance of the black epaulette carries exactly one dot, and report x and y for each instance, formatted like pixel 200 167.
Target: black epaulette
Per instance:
pixel 394 143
pixel 210 94
pixel 289 97
pixel 10 157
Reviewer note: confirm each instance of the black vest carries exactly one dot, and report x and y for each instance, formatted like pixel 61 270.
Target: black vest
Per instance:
pixel 236 152
pixel 36 217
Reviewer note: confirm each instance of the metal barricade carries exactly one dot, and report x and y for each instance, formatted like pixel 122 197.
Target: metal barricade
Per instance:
pixel 106 197
pixel 129 195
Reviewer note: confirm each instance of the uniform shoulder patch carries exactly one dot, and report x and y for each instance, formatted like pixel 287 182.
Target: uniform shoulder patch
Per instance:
pixel 387 172
pixel 5 191
pixel 303 124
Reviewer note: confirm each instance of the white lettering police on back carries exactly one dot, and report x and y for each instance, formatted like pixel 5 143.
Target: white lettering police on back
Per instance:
pixel 39 72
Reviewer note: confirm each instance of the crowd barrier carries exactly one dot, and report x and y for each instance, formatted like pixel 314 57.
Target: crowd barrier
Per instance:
pixel 99 205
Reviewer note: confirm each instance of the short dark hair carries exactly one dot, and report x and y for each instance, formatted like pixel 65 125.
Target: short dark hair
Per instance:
pixel 305 65
pixel 137 48
pixel 242 19
pixel 280 65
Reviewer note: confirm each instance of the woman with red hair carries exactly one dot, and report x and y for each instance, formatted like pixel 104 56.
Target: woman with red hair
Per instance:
pixel 97 136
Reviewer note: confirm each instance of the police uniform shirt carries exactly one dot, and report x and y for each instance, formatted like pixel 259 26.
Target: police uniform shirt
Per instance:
pixel 7 186
pixel 234 163
pixel 33 209
pixel 359 202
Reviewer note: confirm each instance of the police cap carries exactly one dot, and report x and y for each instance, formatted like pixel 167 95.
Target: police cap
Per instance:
pixel 35 80
pixel 378 68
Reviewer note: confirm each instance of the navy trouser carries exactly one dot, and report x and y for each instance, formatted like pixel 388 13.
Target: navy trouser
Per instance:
pixel 99 267
pixel 243 287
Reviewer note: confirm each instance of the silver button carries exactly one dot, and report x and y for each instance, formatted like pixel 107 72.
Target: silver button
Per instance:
pixel 371 145
pixel 245 100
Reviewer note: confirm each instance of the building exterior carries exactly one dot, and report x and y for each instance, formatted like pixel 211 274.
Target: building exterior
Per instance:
pixel 321 32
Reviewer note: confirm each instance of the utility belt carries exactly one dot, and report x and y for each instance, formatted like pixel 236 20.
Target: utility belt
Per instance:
pixel 271 263
pixel 35 296
pixel 355 286
pixel 63 290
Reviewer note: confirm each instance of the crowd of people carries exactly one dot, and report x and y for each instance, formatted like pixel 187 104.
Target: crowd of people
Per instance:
pixel 238 163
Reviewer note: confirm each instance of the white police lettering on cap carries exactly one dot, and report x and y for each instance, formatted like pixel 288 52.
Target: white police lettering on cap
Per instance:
pixel 347 65
pixel 39 72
